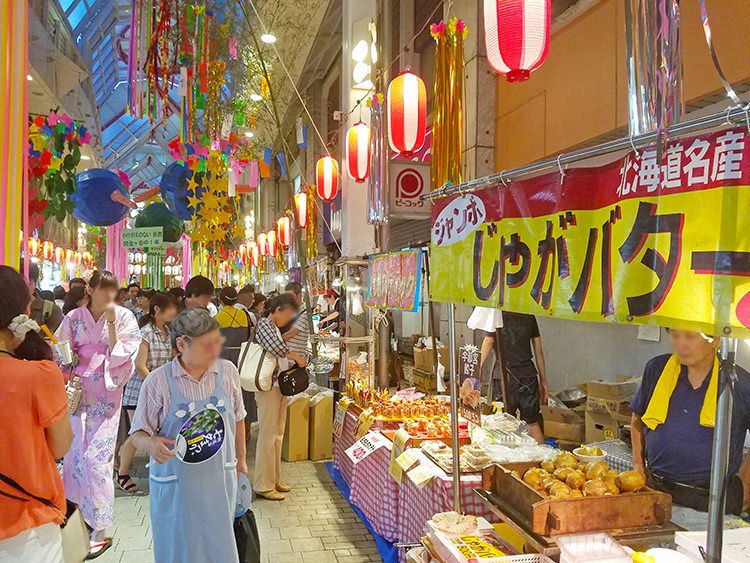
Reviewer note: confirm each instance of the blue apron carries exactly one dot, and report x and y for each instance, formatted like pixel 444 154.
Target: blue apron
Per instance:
pixel 192 505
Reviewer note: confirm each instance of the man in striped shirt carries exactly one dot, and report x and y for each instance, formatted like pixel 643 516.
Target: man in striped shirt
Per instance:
pixel 297 333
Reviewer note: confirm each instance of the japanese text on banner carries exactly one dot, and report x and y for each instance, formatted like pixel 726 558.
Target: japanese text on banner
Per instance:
pixel 631 241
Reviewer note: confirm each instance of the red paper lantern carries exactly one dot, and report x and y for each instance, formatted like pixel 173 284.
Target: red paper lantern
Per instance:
pixel 59 253
pixel 69 257
pixel 300 202
pixel 78 257
pixel 87 257
pixel 328 178
pixel 271 242
pixel 516 36
pixel 243 253
pixel 48 250
pixel 254 253
pixel 285 231
pixel 407 113
pixel 358 151
pixel 263 243
pixel 33 246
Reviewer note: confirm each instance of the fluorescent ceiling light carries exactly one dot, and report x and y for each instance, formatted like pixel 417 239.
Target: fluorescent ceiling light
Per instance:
pixel 85 157
pixel 29 77
pixel 360 72
pixel 359 53
pixel 268 38
pixel 256 97
pixel 249 134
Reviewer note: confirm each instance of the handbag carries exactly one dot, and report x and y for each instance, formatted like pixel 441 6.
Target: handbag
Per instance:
pixel 293 381
pixel 256 367
pixel 247 538
pixel 75 534
pixel 74 391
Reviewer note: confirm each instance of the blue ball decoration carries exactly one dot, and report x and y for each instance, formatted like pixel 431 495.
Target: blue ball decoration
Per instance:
pixel 173 187
pixel 93 197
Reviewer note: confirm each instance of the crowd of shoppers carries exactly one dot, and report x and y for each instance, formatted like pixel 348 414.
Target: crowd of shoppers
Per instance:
pixel 163 358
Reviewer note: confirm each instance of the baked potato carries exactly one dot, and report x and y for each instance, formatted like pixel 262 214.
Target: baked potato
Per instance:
pixel 630 481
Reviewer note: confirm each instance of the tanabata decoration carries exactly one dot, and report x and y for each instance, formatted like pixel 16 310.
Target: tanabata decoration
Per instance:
pixel 446 157
pixel 407 113
pixel 158 215
pixel 54 156
pixel 101 197
pixel 300 203
pixel 181 189
pixel 516 36
pixel 312 223
pixel 284 228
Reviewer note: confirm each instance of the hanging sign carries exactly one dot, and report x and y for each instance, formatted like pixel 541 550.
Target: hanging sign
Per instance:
pixel 201 437
pixel 338 421
pixel 409 180
pixel 365 446
pixel 470 386
pixel 142 237
pixel 394 280
pixel 631 241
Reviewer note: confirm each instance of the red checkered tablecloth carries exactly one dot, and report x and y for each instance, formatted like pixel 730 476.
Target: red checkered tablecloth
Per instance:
pixel 375 492
pixel 398 512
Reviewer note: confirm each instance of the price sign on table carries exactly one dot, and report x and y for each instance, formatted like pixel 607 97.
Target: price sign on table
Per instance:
pixel 338 421
pixel 365 446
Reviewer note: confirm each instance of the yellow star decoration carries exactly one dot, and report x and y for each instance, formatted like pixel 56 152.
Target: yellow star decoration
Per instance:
pixel 192 184
pixel 39 142
pixel 210 202
pixel 238 230
pixel 193 202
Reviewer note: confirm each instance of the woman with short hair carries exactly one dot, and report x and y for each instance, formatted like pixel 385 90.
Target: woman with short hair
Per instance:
pixel 105 338
pixel 190 420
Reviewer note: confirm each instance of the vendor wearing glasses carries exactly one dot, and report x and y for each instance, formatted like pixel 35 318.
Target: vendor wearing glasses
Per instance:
pixel 190 419
pixel 673 424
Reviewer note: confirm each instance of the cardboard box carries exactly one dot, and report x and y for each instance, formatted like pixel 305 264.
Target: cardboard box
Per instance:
pixel 321 432
pixel 297 432
pixel 607 406
pixel 600 426
pixel 563 424
pixel 613 391
pixel 424 380
pixel 425 361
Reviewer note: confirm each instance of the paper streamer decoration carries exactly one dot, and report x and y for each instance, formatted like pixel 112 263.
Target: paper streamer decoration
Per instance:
pixel 254 174
pixel 232 180
pixel 267 156
pixel 13 127
pixel 265 169
pixel 301 134
pixel 233 48
pixel 282 164
pixel 116 257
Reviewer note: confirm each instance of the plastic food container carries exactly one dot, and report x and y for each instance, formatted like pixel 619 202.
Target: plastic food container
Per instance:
pixel 591 548
pixel 583 458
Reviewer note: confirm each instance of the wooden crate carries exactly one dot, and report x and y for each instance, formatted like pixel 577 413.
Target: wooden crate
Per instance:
pixel 552 517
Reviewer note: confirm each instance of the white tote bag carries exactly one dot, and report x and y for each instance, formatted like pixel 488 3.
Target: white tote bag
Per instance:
pixel 256 367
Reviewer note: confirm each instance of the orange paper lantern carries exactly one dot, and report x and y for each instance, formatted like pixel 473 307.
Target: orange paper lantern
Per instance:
pixel 69 256
pixel 358 152
pixel 327 173
pixel 78 257
pixel 271 242
pixel 59 254
pixel 243 253
pixel 407 113
pixel 33 246
pixel 263 244
pixel 254 253
pixel 300 202
pixel 48 250
pixel 285 231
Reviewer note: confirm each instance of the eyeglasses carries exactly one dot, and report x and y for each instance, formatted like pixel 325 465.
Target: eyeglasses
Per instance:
pixel 206 344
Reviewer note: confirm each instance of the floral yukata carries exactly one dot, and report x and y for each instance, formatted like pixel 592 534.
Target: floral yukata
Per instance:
pixel 88 465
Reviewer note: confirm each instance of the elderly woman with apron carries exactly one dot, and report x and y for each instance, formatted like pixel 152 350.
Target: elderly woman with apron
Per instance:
pixel 190 420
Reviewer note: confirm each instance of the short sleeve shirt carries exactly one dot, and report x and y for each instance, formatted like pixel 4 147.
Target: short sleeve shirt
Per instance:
pixel 159 346
pixel 298 343
pixel 680 448
pixel 518 332
pixel 32 399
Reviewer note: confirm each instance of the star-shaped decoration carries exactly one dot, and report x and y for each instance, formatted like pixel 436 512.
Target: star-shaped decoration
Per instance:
pixel 210 201
pixel 39 142
pixel 192 184
pixel 193 202
pixel 238 230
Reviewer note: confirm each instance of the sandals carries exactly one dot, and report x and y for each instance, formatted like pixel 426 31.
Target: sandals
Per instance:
pixel 282 488
pixel 97 548
pixel 272 495
pixel 125 483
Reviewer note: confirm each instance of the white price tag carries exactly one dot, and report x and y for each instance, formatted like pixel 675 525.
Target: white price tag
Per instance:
pixel 365 446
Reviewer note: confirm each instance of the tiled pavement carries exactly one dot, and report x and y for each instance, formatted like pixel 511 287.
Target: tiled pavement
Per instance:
pixel 314 524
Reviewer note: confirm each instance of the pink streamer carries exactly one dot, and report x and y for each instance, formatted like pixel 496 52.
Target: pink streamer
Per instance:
pixel 233 48
pixel 187 259
pixel 116 259
pixel 254 174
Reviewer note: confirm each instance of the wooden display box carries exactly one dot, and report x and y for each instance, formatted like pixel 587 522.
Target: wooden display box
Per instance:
pixel 553 517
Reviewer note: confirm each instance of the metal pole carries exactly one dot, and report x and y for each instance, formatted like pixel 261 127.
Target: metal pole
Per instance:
pixel 720 453
pixel 626 143
pixel 454 407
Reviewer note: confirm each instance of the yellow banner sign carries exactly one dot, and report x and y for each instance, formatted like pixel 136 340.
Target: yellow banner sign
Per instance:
pixel 634 241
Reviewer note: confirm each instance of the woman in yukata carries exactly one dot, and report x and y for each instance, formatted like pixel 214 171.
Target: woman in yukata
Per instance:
pixel 190 419
pixel 105 338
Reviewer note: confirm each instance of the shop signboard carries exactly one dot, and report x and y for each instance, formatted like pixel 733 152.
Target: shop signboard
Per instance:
pixel 632 241
pixel 142 237
pixel 317 278
pixel 469 384
pixel 409 180
pixel 394 280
